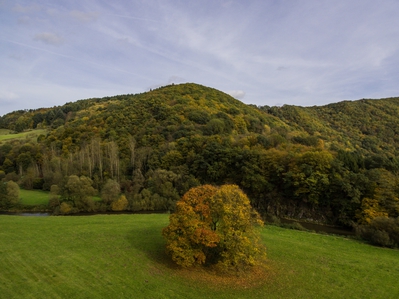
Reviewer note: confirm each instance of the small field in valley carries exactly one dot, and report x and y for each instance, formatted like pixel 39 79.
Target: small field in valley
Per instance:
pixel 31 134
pixel 34 197
pixel 122 256
pixel 38 197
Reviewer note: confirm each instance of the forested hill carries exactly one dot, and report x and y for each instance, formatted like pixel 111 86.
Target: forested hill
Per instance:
pixel 171 111
pixel 365 125
pixel 335 163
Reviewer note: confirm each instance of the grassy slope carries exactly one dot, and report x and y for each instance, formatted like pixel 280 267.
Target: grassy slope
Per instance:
pixel 123 257
pixel 6 135
pixel 4 132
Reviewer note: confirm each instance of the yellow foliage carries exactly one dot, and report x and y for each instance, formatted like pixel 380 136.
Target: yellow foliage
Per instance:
pixel 214 226
pixel 370 209
pixel 120 204
pixel 65 208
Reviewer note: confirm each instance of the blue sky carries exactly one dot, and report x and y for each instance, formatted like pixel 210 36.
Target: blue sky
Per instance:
pixel 268 52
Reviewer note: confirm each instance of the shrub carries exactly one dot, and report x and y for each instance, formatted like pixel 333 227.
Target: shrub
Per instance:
pixel 272 219
pixel 382 231
pixel 120 204
pixel 65 208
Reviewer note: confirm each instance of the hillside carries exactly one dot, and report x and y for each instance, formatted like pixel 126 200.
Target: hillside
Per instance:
pixel 371 126
pixel 333 164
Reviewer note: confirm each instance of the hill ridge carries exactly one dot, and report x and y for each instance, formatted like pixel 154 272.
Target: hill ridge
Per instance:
pixel 325 163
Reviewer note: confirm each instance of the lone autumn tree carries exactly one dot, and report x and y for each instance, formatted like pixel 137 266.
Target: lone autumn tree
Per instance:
pixel 215 226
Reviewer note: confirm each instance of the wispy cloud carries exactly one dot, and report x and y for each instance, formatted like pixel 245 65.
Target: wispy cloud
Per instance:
pixel 262 52
pixel 24 20
pixel 84 17
pixel 49 38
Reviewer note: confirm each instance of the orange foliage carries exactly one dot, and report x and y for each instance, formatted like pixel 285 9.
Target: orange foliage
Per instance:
pixel 190 230
pixel 214 226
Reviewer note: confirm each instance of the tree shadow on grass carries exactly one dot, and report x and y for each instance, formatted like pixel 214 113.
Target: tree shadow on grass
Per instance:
pixel 150 242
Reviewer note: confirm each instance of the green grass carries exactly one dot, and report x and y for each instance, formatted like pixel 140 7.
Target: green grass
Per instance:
pixel 122 256
pixel 32 134
pixel 34 197
pixel 4 132
pixel 39 197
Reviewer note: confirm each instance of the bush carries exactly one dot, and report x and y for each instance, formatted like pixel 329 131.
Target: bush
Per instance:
pixel 382 231
pixel 12 176
pixel 381 238
pixel 53 203
pixel 272 219
pixel 120 204
pixel 65 208
pixel 38 183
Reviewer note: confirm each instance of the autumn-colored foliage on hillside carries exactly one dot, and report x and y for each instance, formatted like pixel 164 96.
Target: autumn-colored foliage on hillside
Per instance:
pixel 336 164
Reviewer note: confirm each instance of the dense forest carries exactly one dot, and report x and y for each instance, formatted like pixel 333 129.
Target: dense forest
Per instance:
pixel 334 164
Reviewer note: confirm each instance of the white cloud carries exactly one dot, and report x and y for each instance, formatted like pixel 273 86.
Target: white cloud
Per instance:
pixel 301 53
pixel 8 95
pixel 238 94
pixel 49 38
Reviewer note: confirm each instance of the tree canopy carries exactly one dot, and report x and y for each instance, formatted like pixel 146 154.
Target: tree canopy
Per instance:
pixel 214 226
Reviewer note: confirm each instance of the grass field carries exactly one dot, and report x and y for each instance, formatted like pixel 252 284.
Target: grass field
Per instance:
pixel 38 197
pixel 4 132
pixel 34 197
pixel 122 256
pixel 7 135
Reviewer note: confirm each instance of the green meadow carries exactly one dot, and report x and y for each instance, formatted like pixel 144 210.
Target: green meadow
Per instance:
pixel 32 134
pixel 39 197
pixel 122 256
pixel 33 197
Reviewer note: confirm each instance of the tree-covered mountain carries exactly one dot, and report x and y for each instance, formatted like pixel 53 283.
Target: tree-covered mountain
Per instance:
pixel 335 163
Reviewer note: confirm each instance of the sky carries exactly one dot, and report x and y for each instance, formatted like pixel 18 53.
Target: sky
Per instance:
pixel 266 52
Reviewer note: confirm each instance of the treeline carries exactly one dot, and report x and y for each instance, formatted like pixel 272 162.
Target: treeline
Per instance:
pixel 288 180
pixel 153 147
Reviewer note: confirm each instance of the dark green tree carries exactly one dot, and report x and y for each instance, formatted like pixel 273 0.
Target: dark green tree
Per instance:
pixel 111 191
